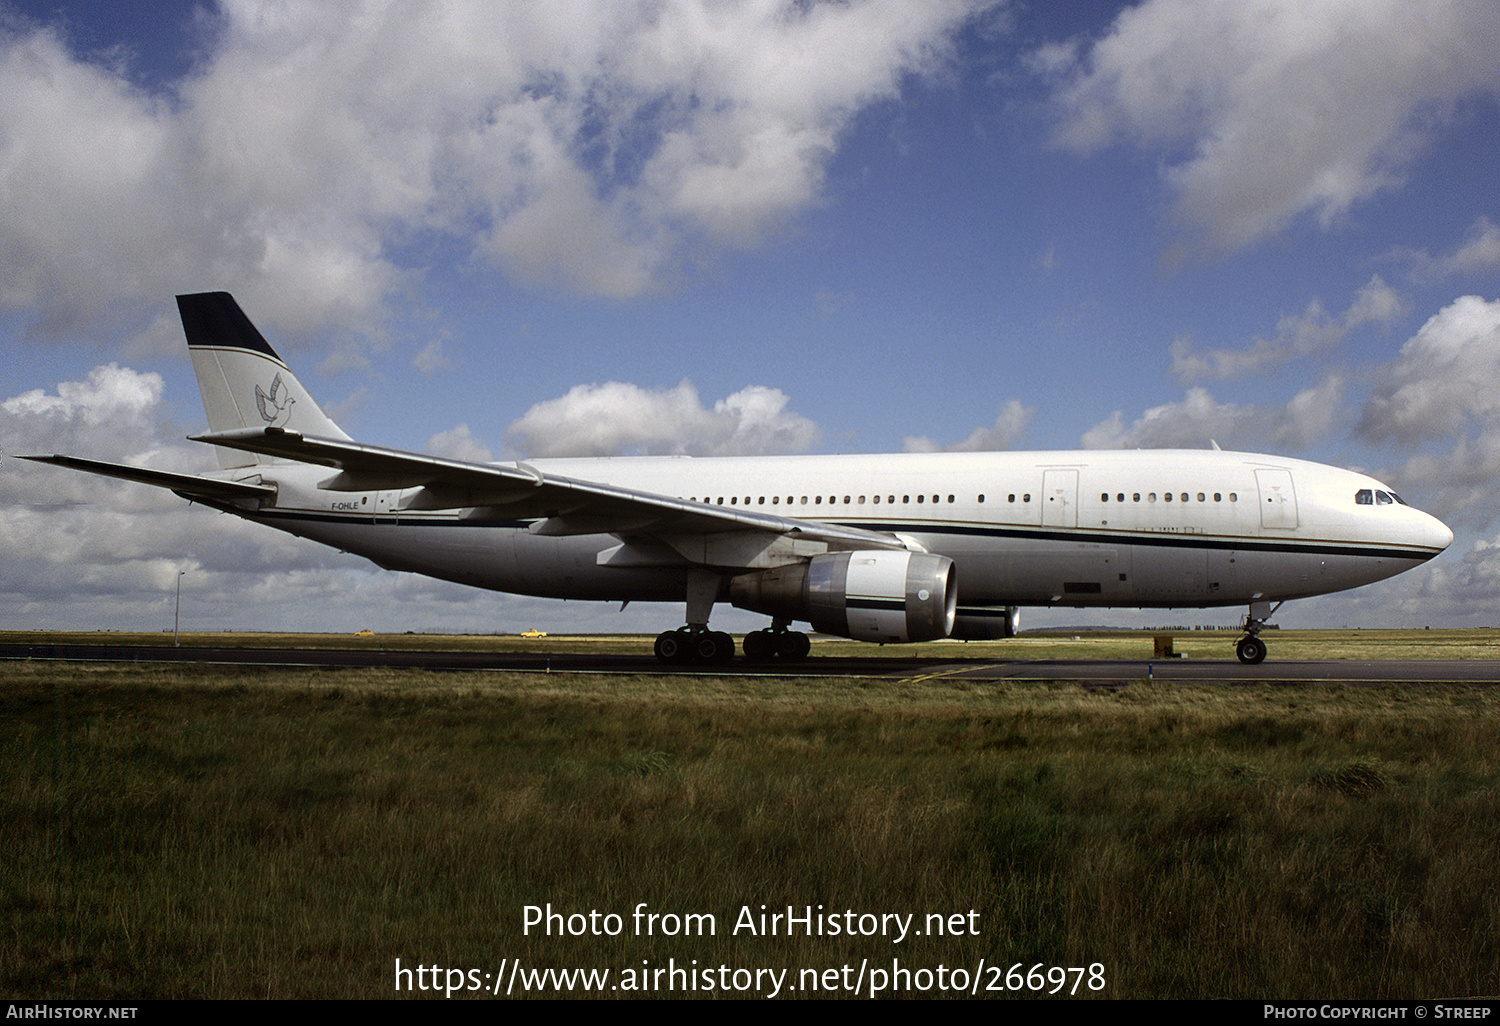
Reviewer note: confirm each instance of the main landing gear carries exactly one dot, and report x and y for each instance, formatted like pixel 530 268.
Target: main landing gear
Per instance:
pixel 1250 649
pixel 687 645
pixel 776 642
pixel 695 643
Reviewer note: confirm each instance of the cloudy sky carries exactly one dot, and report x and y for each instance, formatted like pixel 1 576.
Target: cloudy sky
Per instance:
pixel 497 230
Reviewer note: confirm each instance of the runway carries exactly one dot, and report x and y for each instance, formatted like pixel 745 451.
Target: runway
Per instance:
pixel 1091 672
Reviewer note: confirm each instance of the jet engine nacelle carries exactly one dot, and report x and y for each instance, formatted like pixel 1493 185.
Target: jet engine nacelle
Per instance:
pixel 877 595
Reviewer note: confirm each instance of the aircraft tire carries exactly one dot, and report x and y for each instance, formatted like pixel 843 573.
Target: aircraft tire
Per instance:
pixel 671 646
pixel 760 646
pixel 713 647
pixel 792 646
pixel 1251 650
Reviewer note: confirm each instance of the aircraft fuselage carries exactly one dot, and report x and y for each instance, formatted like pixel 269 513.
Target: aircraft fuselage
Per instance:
pixel 1141 528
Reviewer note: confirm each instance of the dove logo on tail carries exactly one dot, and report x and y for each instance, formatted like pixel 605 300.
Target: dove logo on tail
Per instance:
pixel 275 412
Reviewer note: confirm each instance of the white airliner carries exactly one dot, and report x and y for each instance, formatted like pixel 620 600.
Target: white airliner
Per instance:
pixel 893 548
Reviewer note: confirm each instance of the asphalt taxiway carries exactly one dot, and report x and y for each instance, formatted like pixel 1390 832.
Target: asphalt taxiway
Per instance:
pixel 1413 671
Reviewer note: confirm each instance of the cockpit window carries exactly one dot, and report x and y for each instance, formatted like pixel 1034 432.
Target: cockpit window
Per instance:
pixel 1375 497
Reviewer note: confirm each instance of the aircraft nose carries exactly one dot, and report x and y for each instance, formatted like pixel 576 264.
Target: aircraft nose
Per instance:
pixel 1436 534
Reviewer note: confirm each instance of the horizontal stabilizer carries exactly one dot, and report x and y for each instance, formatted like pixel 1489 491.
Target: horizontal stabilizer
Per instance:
pixel 182 484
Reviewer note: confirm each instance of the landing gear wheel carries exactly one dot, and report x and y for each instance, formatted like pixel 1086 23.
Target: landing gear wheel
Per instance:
pixel 713 647
pixel 760 646
pixel 672 646
pixel 1251 650
pixel 793 645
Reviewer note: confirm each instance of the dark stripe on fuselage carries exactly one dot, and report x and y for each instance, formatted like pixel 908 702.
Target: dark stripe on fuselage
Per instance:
pixel 1165 539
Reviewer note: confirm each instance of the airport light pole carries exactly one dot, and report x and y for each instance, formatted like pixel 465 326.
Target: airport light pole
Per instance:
pixel 177 616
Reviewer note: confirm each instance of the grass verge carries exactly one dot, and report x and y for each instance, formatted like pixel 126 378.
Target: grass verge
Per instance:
pixel 224 832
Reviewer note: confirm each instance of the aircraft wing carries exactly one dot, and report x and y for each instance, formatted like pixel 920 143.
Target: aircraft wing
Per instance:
pixel 560 505
pixel 189 486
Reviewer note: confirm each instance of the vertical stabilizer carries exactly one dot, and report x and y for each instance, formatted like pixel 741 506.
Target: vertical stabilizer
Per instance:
pixel 243 382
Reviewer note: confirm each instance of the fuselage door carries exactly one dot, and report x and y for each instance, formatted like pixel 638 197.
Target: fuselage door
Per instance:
pixel 1278 500
pixel 387 505
pixel 1060 498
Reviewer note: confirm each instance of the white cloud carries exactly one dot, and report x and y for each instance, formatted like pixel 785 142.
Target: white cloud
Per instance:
pixel 1297 335
pixel 1008 428
pixel 460 444
pixel 616 418
pixel 1191 424
pixel 1446 374
pixel 111 415
pixel 1269 109
pixel 600 147
pixel 1479 253
pixel 431 359
pixel 1200 419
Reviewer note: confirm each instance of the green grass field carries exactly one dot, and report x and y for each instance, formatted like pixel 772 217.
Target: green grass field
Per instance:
pixel 235 832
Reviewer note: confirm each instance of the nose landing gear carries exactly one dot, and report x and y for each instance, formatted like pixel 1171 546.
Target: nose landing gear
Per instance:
pixel 1250 649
